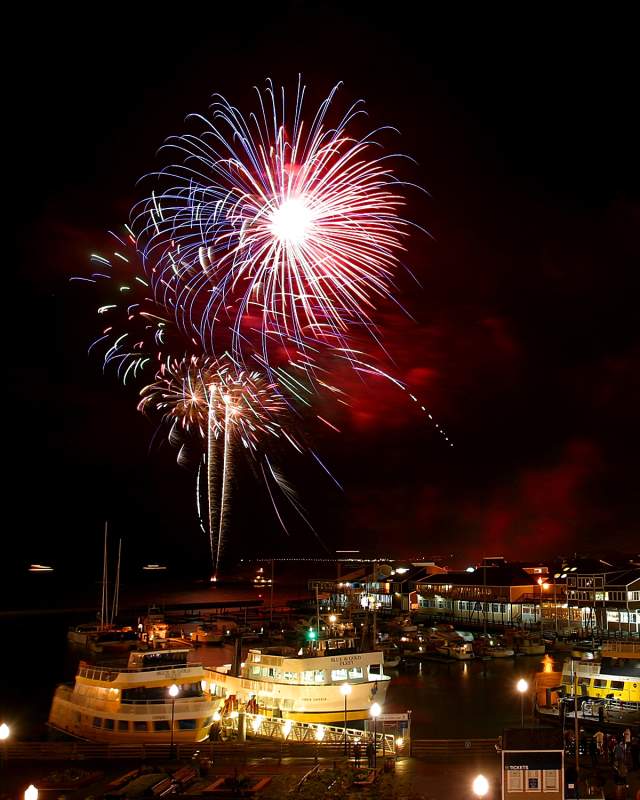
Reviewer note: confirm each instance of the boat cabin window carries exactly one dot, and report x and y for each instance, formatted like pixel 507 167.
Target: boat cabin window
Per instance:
pixel 108 724
pixel 97 722
pixel 255 671
pixel 161 725
pixel 619 685
pixel 338 674
pixel 123 724
pixel 355 673
pixel 374 669
pixel 187 724
pixel 290 676
pixel 313 676
pixel 140 725
pixel 584 681
pixel 159 694
pixel 168 658
pixel 599 683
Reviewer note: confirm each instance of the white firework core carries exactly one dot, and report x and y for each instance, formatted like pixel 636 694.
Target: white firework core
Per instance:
pixel 291 221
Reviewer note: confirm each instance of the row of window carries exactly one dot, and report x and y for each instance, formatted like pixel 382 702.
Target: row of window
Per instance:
pixel 601 683
pixel 622 616
pixel 144 726
pixel 314 675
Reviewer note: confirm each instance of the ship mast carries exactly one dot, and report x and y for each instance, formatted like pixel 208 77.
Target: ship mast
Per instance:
pixel 105 589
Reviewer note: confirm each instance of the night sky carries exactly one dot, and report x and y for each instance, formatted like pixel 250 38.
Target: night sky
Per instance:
pixel 525 341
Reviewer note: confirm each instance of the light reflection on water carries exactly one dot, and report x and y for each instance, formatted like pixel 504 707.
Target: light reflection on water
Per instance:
pixel 471 699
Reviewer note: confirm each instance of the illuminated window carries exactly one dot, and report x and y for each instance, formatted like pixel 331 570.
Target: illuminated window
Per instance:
pixel 355 673
pixel 338 674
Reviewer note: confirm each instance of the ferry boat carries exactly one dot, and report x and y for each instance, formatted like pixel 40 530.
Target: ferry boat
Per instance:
pixel 614 675
pixel 607 688
pixel 304 686
pixel 132 704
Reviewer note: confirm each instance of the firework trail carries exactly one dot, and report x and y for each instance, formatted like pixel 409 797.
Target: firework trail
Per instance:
pixel 224 406
pixel 268 225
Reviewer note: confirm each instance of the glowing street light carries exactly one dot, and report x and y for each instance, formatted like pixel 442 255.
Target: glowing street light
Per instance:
pixel 5 733
pixel 31 793
pixel 480 786
pixel 375 712
pixel 174 691
pixel 345 690
pixel 522 686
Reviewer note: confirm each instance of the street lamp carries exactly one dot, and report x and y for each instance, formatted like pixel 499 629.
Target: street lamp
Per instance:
pixel 346 691
pixel 5 732
pixel 375 712
pixel 480 786
pixel 31 793
pixel 522 686
pixel 174 691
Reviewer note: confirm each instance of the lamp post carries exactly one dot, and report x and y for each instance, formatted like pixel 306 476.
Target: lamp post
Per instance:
pixel 375 712
pixel 522 686
pixel 31 793
pixel 345 689
pixel 319 738
pixel 480 786
pixel 543 585
pixel 174 691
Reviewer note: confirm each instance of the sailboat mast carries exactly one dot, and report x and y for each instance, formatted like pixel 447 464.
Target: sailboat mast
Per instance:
pixel 116 590
pixel 105 592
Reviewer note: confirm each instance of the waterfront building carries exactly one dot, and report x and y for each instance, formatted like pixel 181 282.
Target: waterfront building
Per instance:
pixel 601 597
pixel 383 588
pixel 498 595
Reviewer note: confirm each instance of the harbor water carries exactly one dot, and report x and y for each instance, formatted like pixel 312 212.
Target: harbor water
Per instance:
pixel 460 699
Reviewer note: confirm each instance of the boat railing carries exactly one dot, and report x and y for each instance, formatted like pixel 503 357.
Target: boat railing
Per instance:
pixel 96 673
pixel 621 648
pixel 133 708
pixel 582 668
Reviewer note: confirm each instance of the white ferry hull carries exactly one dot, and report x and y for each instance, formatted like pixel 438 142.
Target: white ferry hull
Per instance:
pixel 300 703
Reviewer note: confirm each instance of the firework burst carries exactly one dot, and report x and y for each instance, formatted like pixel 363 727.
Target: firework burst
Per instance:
pixel 223 406
pixel 272 226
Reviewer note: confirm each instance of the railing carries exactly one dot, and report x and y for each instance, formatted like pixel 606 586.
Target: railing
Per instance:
pixel 110 674
pixel 623 648
pixel 442 749
pixel 435 749
pixel 285 730
pixel 156 707
pixel 85 751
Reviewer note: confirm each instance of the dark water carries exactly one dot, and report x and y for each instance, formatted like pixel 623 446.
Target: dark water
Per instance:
pixel 458 700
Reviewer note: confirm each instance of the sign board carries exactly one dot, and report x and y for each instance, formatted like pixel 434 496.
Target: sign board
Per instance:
pixel 393 717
